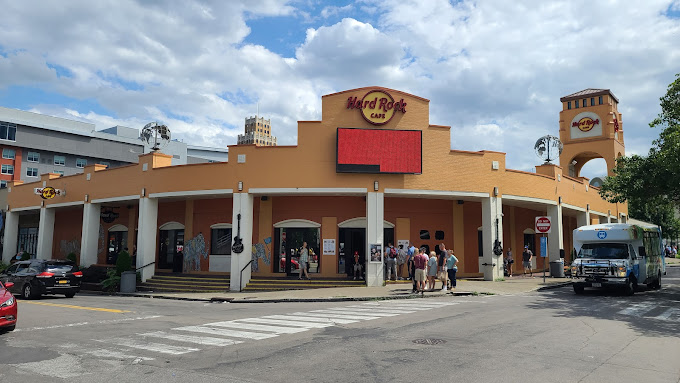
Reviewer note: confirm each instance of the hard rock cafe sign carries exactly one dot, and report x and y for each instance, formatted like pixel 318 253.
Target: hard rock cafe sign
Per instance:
pixel 48 192
pixel 585 124
pixel 377 106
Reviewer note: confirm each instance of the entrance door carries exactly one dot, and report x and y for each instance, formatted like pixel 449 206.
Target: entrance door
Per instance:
pixel 289 241
pixel 171 250
pixel 351 240
pixel 117 243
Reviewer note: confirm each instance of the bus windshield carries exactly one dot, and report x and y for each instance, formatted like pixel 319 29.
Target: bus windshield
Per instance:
pixel 604 251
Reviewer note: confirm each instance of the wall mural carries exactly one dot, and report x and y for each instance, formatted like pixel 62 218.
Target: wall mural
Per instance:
pixel 67 247
pixel 259 252
pixel 193 249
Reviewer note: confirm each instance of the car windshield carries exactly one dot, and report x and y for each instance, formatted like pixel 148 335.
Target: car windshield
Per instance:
pixel 604 251
pixel 59 267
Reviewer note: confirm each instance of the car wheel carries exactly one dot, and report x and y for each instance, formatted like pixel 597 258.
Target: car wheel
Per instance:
pixel 27 291
pixel 70 295
pixel 629 288
pixel 8 328
pixel 578 289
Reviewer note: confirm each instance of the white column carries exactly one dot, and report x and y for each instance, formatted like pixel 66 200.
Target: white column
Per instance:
pixel 11 236
pixel 375 213
pixel 556 235
pixel 243 205
pixel 146 236
pixel 90 234
pixel 583 219
pixel 492 265
pixel 45 234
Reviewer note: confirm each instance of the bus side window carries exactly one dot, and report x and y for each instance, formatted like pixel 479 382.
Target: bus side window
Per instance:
pixel 633 256
pixel 643 252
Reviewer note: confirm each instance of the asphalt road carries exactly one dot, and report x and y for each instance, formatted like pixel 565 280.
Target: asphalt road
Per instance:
pixel 550 336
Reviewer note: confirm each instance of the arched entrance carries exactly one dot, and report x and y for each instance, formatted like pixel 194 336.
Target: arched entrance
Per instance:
pixel 117 242
pixel 171 246
pixel 289 236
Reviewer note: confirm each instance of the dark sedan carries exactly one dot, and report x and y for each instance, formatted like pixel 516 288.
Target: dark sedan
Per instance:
pixel 37 277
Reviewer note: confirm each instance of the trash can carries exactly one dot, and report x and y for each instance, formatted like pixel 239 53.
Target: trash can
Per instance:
pixel 557 268
pixel 128 282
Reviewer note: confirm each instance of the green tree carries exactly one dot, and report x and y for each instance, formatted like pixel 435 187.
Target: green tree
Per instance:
pixel 651 184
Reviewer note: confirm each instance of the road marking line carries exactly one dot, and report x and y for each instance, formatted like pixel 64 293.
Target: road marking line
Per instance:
pixel 303 318
pixel 638 310
pixel 289 323
pixel 382 309
pixel 666 315
pixel 369 312
pixel 355 313
pixel 337 316
pixel 76 307
pixel 202 340
pixel 226 332
pixel 150 346
pixel 258 327
pixel 401 308
pixel 108 321
pixel 105 353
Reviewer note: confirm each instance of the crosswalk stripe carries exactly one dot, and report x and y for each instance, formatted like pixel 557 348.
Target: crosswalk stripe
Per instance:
pixel 638 310
pixel 208 341
pixel 226 332
pixel 338 316
pixel 150 346
pixel 382 309
pixel 299 318
pixel 106 353
pixel 400 308
pixel 355 312
pixel 666 315
pixel 239 324
pixel 350 310
pixel 290 323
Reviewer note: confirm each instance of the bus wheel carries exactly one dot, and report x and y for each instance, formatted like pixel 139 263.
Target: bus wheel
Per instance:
pixel 578 289
pixel 629 288
pixel 657 283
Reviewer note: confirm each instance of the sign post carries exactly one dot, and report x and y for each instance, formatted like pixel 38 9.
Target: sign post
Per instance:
pixel 543 226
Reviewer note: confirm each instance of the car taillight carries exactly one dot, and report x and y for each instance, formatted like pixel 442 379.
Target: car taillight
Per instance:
pixel 45 275
pixel 78 274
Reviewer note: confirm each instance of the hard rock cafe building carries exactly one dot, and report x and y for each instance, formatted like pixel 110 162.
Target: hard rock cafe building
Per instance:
pixel 373 170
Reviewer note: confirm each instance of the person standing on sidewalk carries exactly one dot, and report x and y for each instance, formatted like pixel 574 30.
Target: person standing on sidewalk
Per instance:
pixel 432 269
pixel 441 264
pixel 391 256
pixel 420 262
pixel 526 261
pixel 452 269
pixel 509 261
pixel 401 261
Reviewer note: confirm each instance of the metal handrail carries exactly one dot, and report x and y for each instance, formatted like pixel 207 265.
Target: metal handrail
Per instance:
pixel 240 281
pixel 148 264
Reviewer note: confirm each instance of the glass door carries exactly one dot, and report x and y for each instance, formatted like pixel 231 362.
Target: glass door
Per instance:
pixel 288 244
pixel 171 250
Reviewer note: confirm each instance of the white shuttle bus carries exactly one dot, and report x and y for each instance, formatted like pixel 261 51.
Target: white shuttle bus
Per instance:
pixel 617 254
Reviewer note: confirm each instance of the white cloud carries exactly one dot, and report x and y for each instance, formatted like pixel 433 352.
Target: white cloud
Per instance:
pixel 494 70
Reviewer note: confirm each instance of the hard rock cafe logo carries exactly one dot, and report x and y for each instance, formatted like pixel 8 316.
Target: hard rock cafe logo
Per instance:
pixel 48 192
pixel 377 107
pixel 585 124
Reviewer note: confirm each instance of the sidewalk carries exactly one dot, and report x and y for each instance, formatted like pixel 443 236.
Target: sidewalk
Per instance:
pixel 514 285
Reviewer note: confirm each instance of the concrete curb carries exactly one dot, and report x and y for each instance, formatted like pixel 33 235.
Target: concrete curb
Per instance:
pixel 555 286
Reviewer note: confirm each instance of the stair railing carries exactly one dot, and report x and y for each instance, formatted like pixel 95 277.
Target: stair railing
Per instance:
pixel 148 264
pixel 240 280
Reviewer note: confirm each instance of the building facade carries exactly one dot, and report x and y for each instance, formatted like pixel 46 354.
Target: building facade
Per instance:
pixel 257 132
pixel 373 170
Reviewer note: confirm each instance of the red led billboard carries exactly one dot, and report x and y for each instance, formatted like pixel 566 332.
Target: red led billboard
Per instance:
pixel 379 151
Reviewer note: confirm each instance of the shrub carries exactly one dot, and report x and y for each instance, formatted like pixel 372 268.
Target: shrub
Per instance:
pixel 25 256
pixel 112 281
pixel 71 257
pixel 3 266
pixel 123 263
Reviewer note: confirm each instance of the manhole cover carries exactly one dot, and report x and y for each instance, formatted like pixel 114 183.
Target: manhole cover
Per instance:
pixel 429 341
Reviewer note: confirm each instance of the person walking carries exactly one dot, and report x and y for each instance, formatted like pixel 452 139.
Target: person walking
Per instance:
pixel 420 264
pixel 432 270
pixel 357 265
pixel 526 261
pixel 509 261
pixel 304 260
pixel 452 269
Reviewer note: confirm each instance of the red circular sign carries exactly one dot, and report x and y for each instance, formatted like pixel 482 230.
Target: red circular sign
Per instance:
pixel 543 224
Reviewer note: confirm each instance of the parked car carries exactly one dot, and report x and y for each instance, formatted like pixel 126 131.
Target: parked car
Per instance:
pixel 8 308
pixel 36 277
pixel 294 265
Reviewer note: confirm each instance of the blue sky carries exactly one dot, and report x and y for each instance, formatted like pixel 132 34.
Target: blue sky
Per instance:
pixel 493 70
